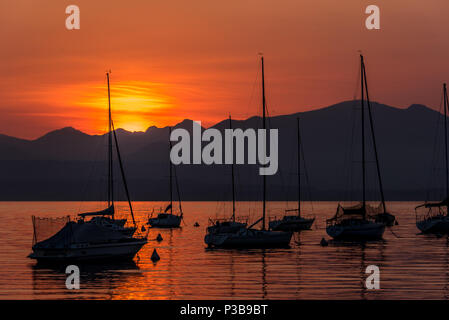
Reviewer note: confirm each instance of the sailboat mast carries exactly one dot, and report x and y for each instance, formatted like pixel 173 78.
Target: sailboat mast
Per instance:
pixel 122 171
pixel 299 169
pixel 110 171
pixel 379 177
pixel 110 167
pixel 232 174
pixel 363 137
pixel 264 127
pixel 233 183
pixel 445 142
pixel 169 162
pixel 177 191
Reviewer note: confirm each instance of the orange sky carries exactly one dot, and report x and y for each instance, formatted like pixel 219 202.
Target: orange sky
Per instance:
pixel 197 59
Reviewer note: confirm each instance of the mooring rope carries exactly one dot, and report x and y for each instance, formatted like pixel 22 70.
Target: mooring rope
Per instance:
pixel 393 233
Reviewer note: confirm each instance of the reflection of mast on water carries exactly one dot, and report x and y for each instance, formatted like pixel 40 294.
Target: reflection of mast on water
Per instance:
pixel 232 273
pixel 298 263
pixel 446 266
pixel 363 275
pixel 363 265
pixel 264 274
pixel 170 263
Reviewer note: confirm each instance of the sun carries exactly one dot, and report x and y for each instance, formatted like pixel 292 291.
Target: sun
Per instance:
pixel 135 104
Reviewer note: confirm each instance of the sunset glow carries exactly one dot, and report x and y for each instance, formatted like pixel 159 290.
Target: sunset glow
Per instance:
pixel 198 60
pixel 134 104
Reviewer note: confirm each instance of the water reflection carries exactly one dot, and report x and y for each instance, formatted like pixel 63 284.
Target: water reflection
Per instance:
pixel 297 239
pixel 170 263
pixel 232 276
pixel 446 267
pixel 412 267
pixel 264 275
pixel 104 277
pixel 354 257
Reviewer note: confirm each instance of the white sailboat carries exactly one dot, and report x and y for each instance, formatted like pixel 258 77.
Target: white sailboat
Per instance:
pixel 249 237
pixel 361 222
pixel 294 222
pixel 101 238
pixel 434 217
pixel 167 218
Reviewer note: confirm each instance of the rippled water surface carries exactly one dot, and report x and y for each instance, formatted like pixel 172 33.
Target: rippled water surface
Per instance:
pixel 412 266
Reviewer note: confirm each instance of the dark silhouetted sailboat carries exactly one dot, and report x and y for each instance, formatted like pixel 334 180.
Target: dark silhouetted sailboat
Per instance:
pixel 294 222
pixel 250 237
pixel 362 221
pixel 102 237
pixel 226 225
pixel 435 218
pixel 166 218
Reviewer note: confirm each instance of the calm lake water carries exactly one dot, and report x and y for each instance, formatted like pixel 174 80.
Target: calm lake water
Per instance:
pixel 412 266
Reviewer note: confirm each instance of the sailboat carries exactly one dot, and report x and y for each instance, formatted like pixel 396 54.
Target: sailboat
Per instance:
pixel 166 218
pixel 102 237
pixel 435 218
pixel 362 221
pixel 250 237
pixel 294 222
pixel 231 225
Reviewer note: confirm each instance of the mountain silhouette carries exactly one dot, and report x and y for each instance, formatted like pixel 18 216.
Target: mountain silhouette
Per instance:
pixel 67 164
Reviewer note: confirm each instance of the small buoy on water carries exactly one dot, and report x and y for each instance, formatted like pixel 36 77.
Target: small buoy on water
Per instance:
pixel 159 237
pixel 143 229
pixel 396 223
pixel 323 242
pixel 155 257
pixel 196 224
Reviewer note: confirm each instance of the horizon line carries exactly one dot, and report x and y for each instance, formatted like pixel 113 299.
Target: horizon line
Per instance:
pixel 234 119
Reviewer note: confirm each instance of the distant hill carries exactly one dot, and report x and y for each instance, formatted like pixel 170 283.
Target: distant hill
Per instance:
pixel 67 164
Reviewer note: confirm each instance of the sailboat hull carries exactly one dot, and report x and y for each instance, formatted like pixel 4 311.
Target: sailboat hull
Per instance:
pixel 386 218
pixel 366 231
pixel 249 238
pixel 292 224
pixel 120 251
pixel 226 227
pixel 165 221
pixel 434 225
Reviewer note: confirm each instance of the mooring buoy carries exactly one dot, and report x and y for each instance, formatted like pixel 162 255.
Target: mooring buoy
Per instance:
pixel 324 243
pixel 155 257
pixel 159 237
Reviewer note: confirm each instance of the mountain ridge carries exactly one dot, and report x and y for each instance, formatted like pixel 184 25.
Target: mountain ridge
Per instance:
pixel 179 124
pixel 58 165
